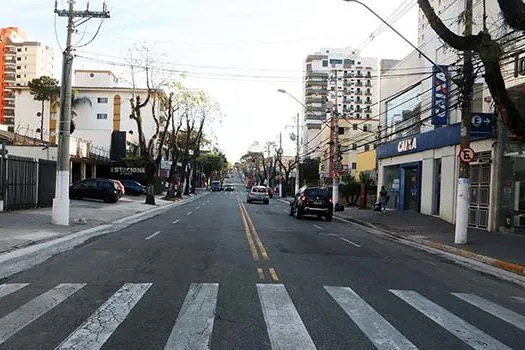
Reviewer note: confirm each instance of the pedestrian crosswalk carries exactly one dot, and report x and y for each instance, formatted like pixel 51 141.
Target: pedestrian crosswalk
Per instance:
pixel 284 325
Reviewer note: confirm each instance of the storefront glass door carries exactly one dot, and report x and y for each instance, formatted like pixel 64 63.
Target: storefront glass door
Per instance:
pixel 411 189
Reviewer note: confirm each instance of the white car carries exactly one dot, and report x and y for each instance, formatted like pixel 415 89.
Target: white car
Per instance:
pixel 258 193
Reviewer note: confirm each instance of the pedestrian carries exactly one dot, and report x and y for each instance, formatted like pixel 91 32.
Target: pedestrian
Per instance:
pixel 383 198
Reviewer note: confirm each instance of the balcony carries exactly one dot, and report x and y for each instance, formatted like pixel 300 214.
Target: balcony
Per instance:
pixel 9 96
pixel 368 84
pixel 368 101
pixel 10 69
pixel 314 99
pixel 9 112
pixel 368 93
pixel 312 83
pixel 358 92
pixel 310 91
pixel 316 75
pixel 359 83
pixel 358 100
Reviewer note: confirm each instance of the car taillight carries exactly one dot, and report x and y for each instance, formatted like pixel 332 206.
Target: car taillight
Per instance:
pixel 330 200
pixel 304 199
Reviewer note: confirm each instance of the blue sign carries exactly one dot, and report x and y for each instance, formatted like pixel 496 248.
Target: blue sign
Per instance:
pixel 440 137
pixel 481 124
pixel 440 95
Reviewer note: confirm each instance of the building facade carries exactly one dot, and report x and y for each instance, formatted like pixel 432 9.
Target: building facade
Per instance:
pixel 102 108
pixel 20 61
pixel 418 159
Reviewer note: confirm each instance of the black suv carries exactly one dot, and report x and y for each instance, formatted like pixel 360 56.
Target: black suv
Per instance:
pixel 104 189
pixel 312 200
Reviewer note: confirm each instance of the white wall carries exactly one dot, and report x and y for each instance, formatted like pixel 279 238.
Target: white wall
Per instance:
pixel 95 78
pixel 26 120
pixel 37 152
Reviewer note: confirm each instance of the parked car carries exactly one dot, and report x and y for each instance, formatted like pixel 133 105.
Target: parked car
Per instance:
pixel 258 193
pixel 133 187
pixel 229 188
pixel 312 201
pixel 104 189
pixel 121 188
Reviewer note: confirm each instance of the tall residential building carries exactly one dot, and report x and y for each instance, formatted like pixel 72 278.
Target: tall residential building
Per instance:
pixel 336 80
pixel 20 61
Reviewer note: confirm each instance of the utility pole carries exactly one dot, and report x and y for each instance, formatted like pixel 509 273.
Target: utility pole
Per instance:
pixel 336 164
pixel 60 214
pixel 298 164
pixel 462 206
pixel 280 154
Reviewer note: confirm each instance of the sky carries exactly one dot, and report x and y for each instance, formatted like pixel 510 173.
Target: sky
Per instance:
pixel 239 51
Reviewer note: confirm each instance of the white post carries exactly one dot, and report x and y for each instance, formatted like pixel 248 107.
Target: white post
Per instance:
pixel 462 207
pixel 280 189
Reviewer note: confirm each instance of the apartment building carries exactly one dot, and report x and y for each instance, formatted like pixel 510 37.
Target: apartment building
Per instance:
pixel 20 61
pixel 337 81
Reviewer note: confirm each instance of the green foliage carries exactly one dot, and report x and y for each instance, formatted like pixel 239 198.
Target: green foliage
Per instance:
pixel 212 162
pixel 309 172
pixel 350 189
pixel 43 88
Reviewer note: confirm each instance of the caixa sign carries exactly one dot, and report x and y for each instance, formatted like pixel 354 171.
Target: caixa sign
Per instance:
pixel 407 145
pixel 440 95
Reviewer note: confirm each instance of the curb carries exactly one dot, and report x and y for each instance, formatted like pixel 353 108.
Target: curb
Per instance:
pixel 498 268
pixel 18 260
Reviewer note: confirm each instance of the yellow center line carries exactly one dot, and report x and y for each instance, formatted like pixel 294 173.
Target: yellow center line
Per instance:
pixel 256 237
pixel 275 278
pixel 248 235
pixel 260 272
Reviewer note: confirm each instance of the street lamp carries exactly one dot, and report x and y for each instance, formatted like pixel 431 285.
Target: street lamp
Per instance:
pixel 297 140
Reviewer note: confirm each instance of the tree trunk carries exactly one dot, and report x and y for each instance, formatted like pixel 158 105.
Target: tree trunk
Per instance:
pixel 150 183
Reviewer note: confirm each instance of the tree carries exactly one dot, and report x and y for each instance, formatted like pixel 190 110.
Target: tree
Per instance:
pixel 490 53
pixel 77 101
pixel 350 189
pixel 43 89
pixel 287 169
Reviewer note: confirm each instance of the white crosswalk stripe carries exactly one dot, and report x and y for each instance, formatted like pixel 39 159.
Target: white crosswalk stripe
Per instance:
pixel 493 309
pixel 24 315
pixel 6 289
pixel 285 327
pixel 194 324
pixel 377 329
pixel 97 329
pixel 471 335
pixel 193 327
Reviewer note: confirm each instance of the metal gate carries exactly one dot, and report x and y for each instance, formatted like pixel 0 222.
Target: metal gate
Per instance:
pixel 46 182
pixel 21 183
pixel 480 192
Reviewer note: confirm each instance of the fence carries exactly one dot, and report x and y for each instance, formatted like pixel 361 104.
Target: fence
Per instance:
pixel 26 182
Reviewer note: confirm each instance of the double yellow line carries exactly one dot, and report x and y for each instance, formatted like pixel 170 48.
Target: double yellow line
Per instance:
pixel 254 241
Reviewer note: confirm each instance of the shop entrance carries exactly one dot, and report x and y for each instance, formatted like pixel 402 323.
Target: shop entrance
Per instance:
pixel 410 186
pixel 479 193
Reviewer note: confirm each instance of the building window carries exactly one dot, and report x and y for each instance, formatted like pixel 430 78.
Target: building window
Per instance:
pixel 19 58
pixel 102 116
pixel 18 67
pixel 336 61
pixel 325 63
pixel 365 127
pixel 354 126
pixel 354 165
pixel 368 116
pixel 354 146
pixel 367 148
pixel 18 76
pixel 102 100
pixel 341 131
pixel 19 50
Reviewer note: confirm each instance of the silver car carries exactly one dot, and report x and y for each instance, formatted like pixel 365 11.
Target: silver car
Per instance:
pixel 258 193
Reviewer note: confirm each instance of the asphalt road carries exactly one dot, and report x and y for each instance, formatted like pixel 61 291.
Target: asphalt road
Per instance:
pixel 223 274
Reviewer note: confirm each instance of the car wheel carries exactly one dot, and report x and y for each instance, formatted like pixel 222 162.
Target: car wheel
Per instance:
pixel 329 217
pixel 266 202
pixel 248 201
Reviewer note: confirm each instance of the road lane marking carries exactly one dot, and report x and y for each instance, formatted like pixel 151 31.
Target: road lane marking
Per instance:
pixel 189 213
pixel 197 208
pixel 317 226
pixel 176 221
pixel 260 272
pixel 283 323
pixel 251 244
pixel 350 242
pixel 378 330
pixel 29 312
pixel 469 334
pixel 286 210
pixel 97 329
pixel 194 325
pixel 255 235
pixel 273 274
pixel 6 289
pixel 152 236
pixel 500 312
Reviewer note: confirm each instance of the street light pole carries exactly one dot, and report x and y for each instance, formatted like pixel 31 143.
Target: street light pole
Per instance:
pixel 297 178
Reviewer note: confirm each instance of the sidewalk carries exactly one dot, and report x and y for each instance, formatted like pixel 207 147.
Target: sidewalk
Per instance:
pixel 22 228
pixel 502 250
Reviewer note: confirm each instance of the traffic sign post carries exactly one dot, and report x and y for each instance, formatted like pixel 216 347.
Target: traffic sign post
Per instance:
pixel 467 155
pixel 481 124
